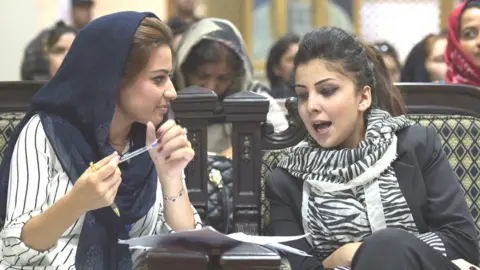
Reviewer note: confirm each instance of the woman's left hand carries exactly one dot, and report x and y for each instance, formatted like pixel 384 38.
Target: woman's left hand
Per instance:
pixel 173 152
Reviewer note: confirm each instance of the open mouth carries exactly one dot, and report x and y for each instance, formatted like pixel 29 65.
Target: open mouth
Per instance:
pixel 322 125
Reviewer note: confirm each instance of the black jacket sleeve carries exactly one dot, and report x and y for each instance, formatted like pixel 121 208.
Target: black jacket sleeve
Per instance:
pixel 285 196
pixel 447 213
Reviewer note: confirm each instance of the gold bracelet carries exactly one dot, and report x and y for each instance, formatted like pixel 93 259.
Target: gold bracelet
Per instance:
pixel 174 198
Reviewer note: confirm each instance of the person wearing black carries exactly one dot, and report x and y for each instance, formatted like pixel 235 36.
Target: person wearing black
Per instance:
pixel 184 17
pixel 372 191
pixel 280 65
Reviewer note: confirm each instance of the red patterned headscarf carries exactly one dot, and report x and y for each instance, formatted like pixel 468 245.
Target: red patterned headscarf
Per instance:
pixel 461 69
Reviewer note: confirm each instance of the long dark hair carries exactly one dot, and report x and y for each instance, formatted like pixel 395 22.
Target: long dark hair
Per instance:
pixel 275 55
pixel 359 61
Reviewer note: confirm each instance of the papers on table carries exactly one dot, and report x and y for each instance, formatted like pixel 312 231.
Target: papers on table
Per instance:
pixel 210 237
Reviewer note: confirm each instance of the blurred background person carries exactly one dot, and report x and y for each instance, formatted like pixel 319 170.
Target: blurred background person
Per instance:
pixel 212 55
pixel 390 57
pixel 35 64
pixel 185 15
pixel 60 39
pixel 280 65
pixel 463 49
pixel 425 62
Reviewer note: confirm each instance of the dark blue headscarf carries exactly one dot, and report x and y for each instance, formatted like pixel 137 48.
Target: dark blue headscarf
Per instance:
pixel 76 108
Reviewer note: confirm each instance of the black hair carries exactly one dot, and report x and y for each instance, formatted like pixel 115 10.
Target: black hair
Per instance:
pixel 358 60
pixel 275 55
pixel 57 32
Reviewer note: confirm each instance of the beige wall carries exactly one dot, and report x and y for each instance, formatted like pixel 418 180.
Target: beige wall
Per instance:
pixel 159 7
pixel 23 19
pixel 18 25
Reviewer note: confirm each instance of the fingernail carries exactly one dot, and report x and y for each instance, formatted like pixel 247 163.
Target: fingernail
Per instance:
pixel 159 132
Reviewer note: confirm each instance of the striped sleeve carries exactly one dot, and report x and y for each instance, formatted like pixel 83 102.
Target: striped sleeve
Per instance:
pixel 27 192
pixel 433 240
pixel 342 268
pixel 162 225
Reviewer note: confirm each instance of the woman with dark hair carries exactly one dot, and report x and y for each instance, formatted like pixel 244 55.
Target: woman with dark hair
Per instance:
pixel 463 49
pixel 390 57
pixel 107 99
pixel 371 190
pixel 425 62
pixel 59 41
pixel 212 55
pixel 280 65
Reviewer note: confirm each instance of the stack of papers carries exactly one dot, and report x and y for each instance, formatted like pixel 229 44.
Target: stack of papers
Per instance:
pixel 210 237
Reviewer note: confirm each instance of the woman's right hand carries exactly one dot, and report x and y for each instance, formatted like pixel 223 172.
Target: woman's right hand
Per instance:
pixel 94 190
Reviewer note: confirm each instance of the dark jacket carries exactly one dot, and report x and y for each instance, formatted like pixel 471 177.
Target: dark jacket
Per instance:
pixel 427 181
pixel 282 90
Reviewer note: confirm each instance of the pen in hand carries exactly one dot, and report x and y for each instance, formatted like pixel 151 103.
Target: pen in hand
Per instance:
pixel 137 152
pixel 114 206
pixel 123 159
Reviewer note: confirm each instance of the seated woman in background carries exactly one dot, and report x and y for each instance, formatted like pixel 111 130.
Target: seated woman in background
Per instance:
pixel 390 58
pixel 111 91
pixel 59 41
pixel 373 191
pixel 463 49
pixel 280 65
pixel 212 55
pixel 425 62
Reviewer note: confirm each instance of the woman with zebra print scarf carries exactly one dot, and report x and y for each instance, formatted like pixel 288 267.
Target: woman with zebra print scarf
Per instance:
pixel 372 191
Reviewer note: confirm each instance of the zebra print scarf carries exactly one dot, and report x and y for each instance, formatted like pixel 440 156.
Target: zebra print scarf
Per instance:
pixel 350 193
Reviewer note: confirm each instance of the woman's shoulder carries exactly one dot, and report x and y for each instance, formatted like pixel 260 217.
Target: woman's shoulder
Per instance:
pixel 423 141
pixel 33 129
pixel 282 181
pixel 33 138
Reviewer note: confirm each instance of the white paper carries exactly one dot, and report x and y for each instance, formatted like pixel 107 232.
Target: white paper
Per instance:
pixel 288 249
pixel 208 236
pixel 263 240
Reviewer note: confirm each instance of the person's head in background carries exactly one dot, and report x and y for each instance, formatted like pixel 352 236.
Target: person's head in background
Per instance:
pixel 212 65
pixel 425 62
pixel 338 80
pixel 434 62
pixel 186 9
pixel 280 59
pixel 211 55
pixel 462 54
pixel 469 31
pixel 390 57
pixel 59 41
pixel 82 12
